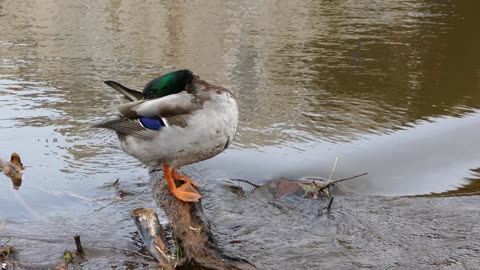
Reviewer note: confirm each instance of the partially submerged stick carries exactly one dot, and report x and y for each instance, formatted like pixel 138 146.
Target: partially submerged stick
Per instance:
pixel 196 245
pixel 331 183
pixel 153 235
pixel 78 243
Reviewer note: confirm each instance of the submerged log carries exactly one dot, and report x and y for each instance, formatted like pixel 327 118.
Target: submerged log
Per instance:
pixel 195 243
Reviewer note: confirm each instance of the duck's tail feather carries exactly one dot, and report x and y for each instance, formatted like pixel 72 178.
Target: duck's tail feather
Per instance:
pixel 131 94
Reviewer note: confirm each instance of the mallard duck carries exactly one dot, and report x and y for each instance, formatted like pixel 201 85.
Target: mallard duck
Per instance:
pixel 13 169
pixel 178 119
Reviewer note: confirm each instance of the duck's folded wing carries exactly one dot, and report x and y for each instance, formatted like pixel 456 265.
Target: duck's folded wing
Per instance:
pixel 165 107
pixel 128 127
pixel 173 108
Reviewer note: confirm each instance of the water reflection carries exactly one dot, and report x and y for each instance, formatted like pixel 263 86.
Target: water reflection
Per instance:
pixel 389 65
pixel 470 187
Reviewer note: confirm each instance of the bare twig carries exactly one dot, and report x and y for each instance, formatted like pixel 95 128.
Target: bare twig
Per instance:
pixel 338 181
pixel 330 205
pixel 246 181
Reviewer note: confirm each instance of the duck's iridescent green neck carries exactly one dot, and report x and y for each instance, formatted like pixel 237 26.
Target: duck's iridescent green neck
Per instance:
pixel 170 83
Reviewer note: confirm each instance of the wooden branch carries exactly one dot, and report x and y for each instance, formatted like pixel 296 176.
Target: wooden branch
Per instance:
pixel 196 244
pixel 246 181
pixel 333 182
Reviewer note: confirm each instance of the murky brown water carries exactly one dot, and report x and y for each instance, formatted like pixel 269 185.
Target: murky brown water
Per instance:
pixel 391 88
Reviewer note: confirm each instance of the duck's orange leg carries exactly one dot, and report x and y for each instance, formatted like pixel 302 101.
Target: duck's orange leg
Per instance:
pixel 185 192
pixel 183 178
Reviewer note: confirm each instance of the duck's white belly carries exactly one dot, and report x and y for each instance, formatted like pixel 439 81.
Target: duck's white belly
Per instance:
pixel 209 132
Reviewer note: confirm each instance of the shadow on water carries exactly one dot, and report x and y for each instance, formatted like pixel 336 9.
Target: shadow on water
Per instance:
pixel 389 87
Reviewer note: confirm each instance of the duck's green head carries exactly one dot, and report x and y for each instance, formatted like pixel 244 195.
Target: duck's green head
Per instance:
pixel 170 83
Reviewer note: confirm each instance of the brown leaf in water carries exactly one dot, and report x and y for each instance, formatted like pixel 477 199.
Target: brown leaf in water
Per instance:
pixel 13 169
pixel 285 188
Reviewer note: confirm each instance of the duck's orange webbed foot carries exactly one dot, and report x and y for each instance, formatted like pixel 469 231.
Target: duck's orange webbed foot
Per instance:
pixel 185 192
pixel 184 178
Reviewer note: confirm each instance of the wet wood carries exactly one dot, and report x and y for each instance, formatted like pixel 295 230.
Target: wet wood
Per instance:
pixel 78 243
pixel 153 236
pixel 196 245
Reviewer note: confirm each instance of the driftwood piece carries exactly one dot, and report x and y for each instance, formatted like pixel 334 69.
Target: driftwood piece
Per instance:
pixel 153 236
pixel 196 245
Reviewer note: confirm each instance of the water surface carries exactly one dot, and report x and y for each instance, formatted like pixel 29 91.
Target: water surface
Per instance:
pixel 391 88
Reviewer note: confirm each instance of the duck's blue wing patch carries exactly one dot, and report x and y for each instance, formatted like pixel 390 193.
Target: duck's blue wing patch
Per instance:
pixel 152 123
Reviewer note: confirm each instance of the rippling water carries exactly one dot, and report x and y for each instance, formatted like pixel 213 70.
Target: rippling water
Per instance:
pixel 391 88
